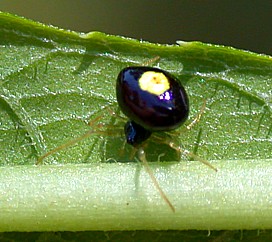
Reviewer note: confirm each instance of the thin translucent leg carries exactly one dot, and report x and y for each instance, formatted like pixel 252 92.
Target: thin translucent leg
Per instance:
pixel 150 61
pixel 197 117
pixel 193 122
pixel 190 154
pixel 94 131
pixel 73 142
pixel 132 153
pixel 93 121
pixel 183 151
pixel 122 149
pixel 108 111
pixel 141 155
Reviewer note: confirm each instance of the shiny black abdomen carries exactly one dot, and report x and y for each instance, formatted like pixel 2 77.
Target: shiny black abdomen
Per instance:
pixel 153 112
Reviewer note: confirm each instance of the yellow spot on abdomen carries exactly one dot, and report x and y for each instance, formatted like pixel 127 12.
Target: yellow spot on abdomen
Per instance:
pixel 154 82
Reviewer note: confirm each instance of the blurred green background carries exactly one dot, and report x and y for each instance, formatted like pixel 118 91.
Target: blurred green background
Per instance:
pixel 243 24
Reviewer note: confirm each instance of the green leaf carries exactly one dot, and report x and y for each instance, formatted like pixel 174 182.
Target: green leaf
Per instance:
pixel 53 82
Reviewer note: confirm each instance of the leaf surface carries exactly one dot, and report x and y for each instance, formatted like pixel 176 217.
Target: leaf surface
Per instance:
pixel 54 82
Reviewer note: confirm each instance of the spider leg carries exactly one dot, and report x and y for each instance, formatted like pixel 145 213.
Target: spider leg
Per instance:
pixel 180 151
pixel 73 142
pixel 150 61
pixel 97 129
pixel 142 158
pixel 64 146
pixel 197 117
pixel 192 155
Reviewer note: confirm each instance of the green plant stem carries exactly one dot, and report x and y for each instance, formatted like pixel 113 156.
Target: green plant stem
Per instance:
pixel 122 197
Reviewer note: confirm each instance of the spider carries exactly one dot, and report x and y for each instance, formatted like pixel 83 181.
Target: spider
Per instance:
pixel 154 101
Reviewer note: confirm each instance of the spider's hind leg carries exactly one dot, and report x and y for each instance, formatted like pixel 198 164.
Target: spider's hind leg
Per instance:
pixel 96 128
pixel 168 141
pixel 181 151
pixel 142 158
